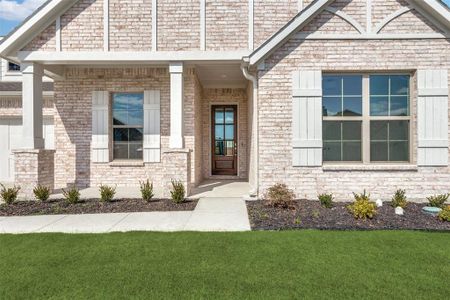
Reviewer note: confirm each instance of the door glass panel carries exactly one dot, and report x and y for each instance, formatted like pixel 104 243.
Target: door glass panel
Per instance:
pixel 229 132
pixel 219 132
pixel 219 148
pixel 229 116
pixel 230 148
pixel 219 116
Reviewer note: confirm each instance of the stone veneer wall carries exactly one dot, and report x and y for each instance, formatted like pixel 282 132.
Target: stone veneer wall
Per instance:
pixel 275 109
pixel 237 96
pixel 73 128
pixel 32 168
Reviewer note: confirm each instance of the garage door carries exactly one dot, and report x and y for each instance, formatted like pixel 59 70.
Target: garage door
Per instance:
pixel 10 137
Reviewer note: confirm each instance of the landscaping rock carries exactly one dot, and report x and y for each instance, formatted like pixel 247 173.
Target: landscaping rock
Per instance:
pixel 399 211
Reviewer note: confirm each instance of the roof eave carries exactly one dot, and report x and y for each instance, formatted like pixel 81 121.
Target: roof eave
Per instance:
pixel 34 24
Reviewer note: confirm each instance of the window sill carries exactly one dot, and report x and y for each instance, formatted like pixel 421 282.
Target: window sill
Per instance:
pixel 126 163
pixel 373 167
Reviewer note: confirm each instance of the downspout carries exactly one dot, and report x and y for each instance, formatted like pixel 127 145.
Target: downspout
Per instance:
pixel 254 80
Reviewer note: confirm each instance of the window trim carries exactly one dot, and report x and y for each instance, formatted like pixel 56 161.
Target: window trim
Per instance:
pixel 112 126
pixel 366 118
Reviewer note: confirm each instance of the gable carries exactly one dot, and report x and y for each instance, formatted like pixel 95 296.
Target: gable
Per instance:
pixel 364 20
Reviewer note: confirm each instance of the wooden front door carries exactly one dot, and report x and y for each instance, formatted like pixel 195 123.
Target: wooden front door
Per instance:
pixel 224 139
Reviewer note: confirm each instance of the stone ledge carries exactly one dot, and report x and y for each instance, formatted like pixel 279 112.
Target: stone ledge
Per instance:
pixel 373 167
pixel 33 151
pixel 176 151
pixel 125 163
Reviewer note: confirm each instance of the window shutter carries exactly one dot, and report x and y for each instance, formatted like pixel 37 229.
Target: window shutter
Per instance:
pixel 307 118
pixel 152 128
pixel 100 124
pixel 432 117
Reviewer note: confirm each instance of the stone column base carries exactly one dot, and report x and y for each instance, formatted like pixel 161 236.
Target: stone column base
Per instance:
pixel 33 167
pixel 177 166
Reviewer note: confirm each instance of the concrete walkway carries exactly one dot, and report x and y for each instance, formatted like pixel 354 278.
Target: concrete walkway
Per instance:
pixel 211 214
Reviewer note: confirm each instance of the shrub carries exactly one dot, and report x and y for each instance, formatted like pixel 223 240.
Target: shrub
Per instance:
pixel 362 208
pixel 279 195
pixel 444 215
pixel 326 200
pixel 399 199
pixel 9 195
pixel 438 200
pixel 41 193
pixel 107 193
pixel 146 190
pixel 178 192
pixel 72 195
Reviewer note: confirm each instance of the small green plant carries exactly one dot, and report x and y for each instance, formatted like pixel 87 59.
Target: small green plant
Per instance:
pixel 444 214
pixel 178 192
pixel 146 190
pixel 72 195
pixel 362 207
pixel 438 200
pixel 316 214
pixel 298 221
pixel 279 195
pixel 9 195
pixel 41 193
pixel 399 199
pixel 326 200
pixel 107 193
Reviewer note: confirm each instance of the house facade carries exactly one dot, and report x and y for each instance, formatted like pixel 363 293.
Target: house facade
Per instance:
pixel 325 96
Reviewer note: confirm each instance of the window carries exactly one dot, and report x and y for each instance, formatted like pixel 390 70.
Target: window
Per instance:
pixel 128 120
pixel 13 67
pixel 366 118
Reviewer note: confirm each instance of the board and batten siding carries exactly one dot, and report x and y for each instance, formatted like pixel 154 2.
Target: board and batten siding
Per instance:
pixel 152 126
pixel 307 118
pixel 100 124
pixel 432 117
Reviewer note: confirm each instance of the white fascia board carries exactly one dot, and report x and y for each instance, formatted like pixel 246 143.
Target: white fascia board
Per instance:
pixel 35 24
pixel 19 93
pixel 288 30
pixel 58 58
pixel 435 10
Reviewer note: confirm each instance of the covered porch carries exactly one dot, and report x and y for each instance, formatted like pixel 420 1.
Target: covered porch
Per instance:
pixel 192 143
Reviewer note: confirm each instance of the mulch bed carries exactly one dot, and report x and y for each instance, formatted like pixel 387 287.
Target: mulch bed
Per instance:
pixel 311 215
pixel 92 206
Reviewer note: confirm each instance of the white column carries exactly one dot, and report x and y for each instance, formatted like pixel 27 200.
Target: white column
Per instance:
pixel 176 105
pixel 32 106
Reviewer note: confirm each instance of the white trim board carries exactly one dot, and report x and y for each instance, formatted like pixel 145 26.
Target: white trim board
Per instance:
pixel 129 57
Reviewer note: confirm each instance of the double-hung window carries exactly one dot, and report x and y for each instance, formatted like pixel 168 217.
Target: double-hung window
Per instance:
pixel 366 118
pixel 128 121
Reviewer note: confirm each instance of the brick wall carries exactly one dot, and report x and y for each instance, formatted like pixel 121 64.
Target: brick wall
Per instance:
pixel 225 96
pixel 130 25
pixel 82 27
pixel 226 25
pixel 46 41
pixel 12 106
pixel 275 108
pixel 178 25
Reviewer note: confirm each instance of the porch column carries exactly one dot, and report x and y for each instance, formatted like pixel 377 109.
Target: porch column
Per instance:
pixel 176 105
pixel 32 106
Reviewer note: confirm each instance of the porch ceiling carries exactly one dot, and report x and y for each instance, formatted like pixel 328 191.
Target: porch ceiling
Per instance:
pixel 221 75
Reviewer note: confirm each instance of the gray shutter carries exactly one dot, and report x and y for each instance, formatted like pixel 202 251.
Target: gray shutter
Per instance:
pixel 432 117
pixel 100 124
pixel 307 118
pixel 152 127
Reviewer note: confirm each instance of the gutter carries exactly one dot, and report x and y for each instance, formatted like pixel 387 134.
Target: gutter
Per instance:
pixel 244 67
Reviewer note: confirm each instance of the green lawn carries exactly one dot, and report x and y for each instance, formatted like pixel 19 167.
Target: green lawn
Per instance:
pixel 272 265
